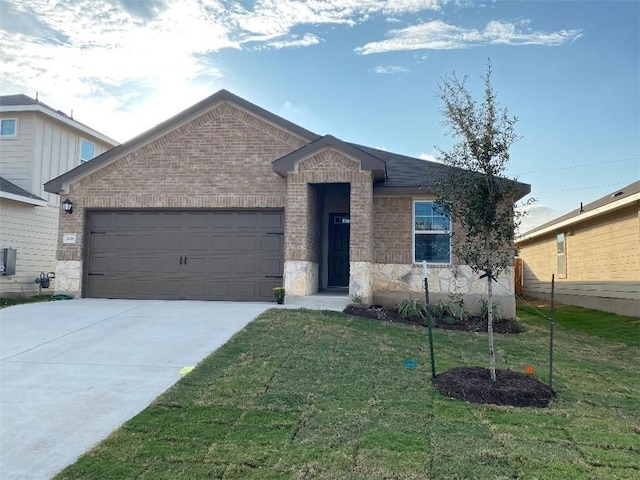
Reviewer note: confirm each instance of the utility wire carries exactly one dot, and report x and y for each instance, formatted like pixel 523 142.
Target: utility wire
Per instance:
pixel 582 188
pixel 580 165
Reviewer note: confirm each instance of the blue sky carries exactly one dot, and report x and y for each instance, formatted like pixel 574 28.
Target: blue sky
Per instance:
pixel 362 70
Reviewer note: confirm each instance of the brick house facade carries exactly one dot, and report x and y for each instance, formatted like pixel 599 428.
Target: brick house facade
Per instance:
pixel 313 212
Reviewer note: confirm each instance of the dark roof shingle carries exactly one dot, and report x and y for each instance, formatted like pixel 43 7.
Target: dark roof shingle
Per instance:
pixel 8 187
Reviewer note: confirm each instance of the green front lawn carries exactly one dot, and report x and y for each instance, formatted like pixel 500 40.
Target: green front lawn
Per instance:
pixel 301 394
pixel 616 328
pixel 10 301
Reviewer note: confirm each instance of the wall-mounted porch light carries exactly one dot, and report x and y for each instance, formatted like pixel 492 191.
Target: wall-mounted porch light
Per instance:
pixel 67 205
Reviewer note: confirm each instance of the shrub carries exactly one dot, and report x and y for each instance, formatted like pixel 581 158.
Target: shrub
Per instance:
pixel 450 313
pixel 496 309
pixel 411 308
pixel 357 300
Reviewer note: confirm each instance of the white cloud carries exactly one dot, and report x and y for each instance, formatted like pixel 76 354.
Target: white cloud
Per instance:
pixel 115 56
pixel 438 35
pixel 536 214
pixel 428 156
pixel 294 41
pixel 107 59
pixel 389 69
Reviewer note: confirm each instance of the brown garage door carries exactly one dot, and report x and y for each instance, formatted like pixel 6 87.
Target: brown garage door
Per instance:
pixel 197 255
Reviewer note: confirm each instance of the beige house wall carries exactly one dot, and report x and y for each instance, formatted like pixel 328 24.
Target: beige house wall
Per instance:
pixel 603 264
pixel 43 148
pixel 33 232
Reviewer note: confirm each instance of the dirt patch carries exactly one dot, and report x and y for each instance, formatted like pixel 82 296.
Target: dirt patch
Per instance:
pixel 473 384
pixel 472 324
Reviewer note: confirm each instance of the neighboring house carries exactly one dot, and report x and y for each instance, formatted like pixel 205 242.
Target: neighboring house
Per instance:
pixel 227 200
pixel 594 252
pixel 37 143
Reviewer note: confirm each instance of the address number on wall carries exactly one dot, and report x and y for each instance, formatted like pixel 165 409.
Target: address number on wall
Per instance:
pixel 69 238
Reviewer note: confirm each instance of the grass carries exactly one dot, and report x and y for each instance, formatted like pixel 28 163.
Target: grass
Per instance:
pixel 300 394
pixel 10 301
pixel 616 328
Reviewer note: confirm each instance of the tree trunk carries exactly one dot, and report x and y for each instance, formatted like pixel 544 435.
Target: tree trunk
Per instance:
pixel 492 351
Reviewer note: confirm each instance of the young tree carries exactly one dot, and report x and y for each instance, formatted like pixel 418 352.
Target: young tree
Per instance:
pixel 475 194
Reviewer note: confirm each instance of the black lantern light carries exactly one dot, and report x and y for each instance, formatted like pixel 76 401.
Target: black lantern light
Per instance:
pixel 67 205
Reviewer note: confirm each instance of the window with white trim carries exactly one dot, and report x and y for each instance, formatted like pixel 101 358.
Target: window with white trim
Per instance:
pixel 8 127
pixel 562 255
pixel 431 233
pixel 87 150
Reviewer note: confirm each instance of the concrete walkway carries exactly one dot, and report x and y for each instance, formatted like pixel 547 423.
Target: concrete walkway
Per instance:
pixel 73 371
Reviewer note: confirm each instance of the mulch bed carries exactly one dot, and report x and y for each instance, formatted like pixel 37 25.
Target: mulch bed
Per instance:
pixel 473 324
pixel 473 384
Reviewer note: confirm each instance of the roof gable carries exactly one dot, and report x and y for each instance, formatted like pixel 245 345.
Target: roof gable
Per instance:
pixel 58 184
pixel 611 201
pixel 367 161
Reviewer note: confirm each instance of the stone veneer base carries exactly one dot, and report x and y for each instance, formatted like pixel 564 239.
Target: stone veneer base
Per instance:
pixel 68 275
pixel 300 277
pixel 393 282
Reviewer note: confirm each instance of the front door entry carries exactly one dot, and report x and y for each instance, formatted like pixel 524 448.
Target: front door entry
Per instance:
pixel 338 268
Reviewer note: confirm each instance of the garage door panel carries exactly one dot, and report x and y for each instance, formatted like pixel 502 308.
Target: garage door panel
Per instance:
pixel 248 220
pixel 169 242
pixel 221 265
pixel 195 289
pixel 272 243
pixel 145 243
pixel 197 242
pixel 246 266
pixel 150 221
pixel 169 287
pixel 218 290
pixel 246 243
pixel 101 243
pixel 219 242
pixel 147 287
pixel 230 255
pixel 222 220
pixel 245 290
pixel 101 220
pixel 272 220
pixel 123 265
pixel 200 220
pixel 266 288
pixel 125 220
pixel 270 266
pixel 124 242
pixel 196 265
pixel 98 264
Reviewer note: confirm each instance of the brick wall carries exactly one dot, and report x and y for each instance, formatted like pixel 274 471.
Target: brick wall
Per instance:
pixel 327 166
pixel 392 230
pixel 221 159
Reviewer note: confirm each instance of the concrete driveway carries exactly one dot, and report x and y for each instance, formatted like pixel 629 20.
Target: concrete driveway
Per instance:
pixel 72 371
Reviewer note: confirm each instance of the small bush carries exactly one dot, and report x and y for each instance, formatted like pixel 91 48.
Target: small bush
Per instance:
pixel 451 313
pixel 411 308
pixel 517 326
pixel 496 309
pixel 357 300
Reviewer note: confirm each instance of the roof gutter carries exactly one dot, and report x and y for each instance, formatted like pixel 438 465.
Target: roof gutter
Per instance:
pixel 582 217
